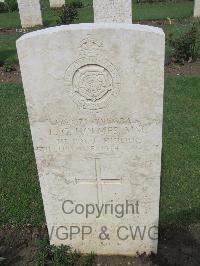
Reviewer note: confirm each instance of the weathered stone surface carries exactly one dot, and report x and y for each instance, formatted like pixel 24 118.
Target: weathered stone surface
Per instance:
pixel 94 95
pixel 197 8
pixel 30 13
pixel 56 3
pixel 112 11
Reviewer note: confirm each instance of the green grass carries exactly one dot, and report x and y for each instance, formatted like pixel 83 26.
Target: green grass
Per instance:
pixel 8 46
pixel 63 255
pixel 7 42
pixel 10 20
pixel 50 17
pixel 86 15
pixel 162 10
pixel 180 187
pixel 143 11
pixel 20 197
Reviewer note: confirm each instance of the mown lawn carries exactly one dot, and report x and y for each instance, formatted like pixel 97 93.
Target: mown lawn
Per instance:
pixel 8 46
pixel 144 11
pixel 180 183
pixel 140 11
pixel 162 10
pixel 20 196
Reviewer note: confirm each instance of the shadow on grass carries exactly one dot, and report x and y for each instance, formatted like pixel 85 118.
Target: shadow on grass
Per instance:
pixel 178 245
pixel 184 217
pixel 5 54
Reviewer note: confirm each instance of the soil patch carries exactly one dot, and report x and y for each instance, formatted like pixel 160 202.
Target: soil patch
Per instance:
pixel 8 31
pixel 13 76
pixel 186 69
pixel 172 69
pixel 178 246
pixel 155 22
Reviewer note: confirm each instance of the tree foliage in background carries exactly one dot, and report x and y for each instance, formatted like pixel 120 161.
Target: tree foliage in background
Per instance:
pixel 11 5
pixel 68 14
pixel 77 4
pixel 3 7
pixel 185 48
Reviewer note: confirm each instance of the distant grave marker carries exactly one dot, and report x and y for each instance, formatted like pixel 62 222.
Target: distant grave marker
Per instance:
pixel 112 11
pixel 30 13
pixel 56 3
pixel 197 8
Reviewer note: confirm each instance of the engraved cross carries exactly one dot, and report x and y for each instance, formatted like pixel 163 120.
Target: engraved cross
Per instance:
pixel 98 180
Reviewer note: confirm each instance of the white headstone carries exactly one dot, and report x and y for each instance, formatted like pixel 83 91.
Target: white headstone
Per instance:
pixel 30 13
pixel 112 11
pixel 94 95
pixel 56 3
pixel 197 8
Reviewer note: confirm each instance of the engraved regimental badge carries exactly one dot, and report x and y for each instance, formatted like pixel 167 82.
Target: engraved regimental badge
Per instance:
pixel 92 80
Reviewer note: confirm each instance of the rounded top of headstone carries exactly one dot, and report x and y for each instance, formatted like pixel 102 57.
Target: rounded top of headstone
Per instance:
pixel 85 26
